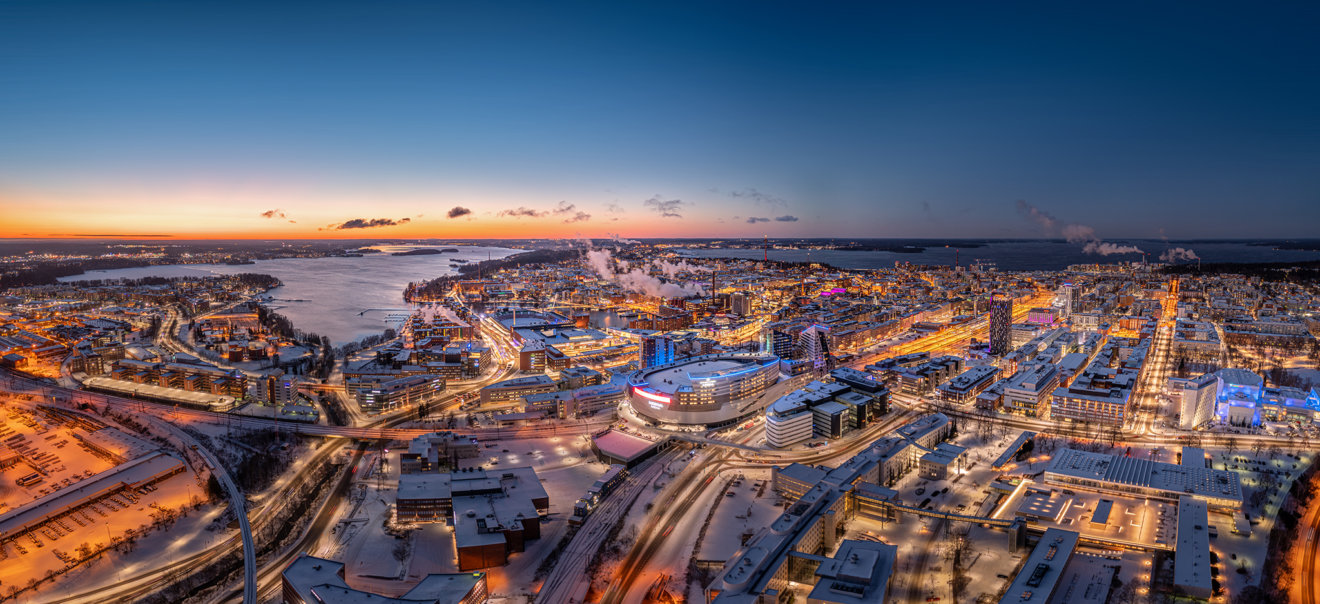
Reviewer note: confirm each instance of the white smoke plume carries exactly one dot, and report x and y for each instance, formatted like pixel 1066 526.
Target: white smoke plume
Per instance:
pixel 636 279
pixel 672 269
pixel 1109 248
pixel 1079 233
pixel 1178 253
pixel 1074 232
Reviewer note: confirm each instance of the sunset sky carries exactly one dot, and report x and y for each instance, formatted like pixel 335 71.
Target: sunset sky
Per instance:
pixel 548 119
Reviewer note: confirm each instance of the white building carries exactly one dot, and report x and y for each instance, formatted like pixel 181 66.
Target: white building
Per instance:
pixel 1197 406
pixel 1191 561
pixel 787 422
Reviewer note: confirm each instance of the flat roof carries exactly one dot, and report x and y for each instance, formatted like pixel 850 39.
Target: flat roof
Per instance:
pixel 319 580
pixel 623 446
pixel 1193 457
pixel 1173 479
pixel 1191 561
pixel 129 474
pixel 1102 510
pixel 1010 452
pixel 1086 580
pixel 189 397
pixel 1040 574
pixel 859 572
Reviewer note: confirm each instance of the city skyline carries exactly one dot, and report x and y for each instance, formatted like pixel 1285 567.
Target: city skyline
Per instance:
pixel 211 121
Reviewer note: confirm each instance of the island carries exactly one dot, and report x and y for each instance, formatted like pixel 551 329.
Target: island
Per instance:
pixel 430 251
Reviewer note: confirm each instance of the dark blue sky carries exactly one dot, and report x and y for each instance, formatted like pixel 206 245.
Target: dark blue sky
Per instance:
pixel 857 119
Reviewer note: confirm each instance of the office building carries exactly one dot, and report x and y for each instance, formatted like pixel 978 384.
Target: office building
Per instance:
pixel 788 421
pixel 740 304
pixel 969 384
pixel 400 392
pixel 1028 392
pixel 515 389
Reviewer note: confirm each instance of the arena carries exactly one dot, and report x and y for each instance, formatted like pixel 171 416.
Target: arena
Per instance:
pixel 713 390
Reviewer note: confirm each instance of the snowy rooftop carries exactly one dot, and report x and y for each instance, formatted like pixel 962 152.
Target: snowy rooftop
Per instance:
pixel 140 470
pixel 1167 477
pixel 320 580
pixel 858 572
pixel 670 379
pixel 1191 562
pixel 1040 574
pixel 621 445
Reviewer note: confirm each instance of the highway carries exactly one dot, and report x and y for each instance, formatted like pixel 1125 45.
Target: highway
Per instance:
pixel 680 495
pixel 136 587
pixel 1312 549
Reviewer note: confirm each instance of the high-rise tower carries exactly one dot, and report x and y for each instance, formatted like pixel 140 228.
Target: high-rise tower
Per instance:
pixel 1001 325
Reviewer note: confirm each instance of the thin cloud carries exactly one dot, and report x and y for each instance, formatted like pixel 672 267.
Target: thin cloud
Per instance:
pixel 115 235
pixel 276 213
pixel 786 218
pixel 666 208
pixel 758 197
pixel 363 223
pixel 756 219
pixel 459 211
pixel 521 212
pixel 570 212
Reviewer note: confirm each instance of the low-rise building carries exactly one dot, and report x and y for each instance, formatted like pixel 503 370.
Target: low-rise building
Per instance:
pixel 311 580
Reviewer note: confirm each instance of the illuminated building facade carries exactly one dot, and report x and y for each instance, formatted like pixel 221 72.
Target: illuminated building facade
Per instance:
pixel 711 390
pixel 1001 324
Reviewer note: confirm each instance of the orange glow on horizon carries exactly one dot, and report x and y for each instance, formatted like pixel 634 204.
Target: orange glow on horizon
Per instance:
pixel 208 215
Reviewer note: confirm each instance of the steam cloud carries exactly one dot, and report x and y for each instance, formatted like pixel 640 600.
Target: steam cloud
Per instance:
pixel 1178 253
pixel 1106 249
pixel 1073 232
pixel 621 239
pixel 636 279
